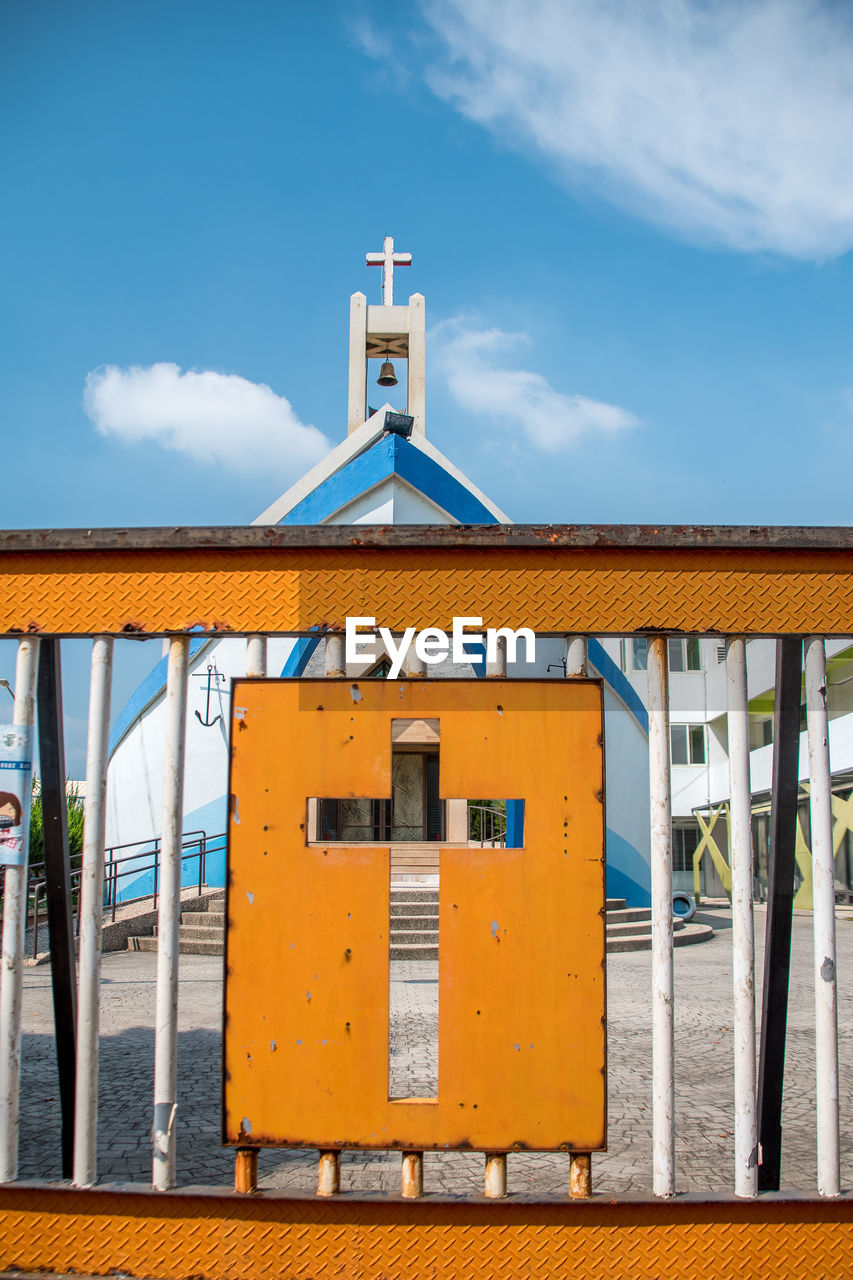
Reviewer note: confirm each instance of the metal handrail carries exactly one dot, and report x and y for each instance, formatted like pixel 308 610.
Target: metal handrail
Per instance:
pixel 199 841
pixel 492 826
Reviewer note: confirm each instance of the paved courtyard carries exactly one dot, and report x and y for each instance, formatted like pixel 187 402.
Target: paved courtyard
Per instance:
pixel 704 1139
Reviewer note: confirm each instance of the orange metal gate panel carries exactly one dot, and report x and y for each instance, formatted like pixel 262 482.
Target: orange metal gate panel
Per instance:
pixel 521 974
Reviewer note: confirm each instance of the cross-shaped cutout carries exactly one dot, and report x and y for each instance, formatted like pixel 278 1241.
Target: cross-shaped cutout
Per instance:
pixel 418 822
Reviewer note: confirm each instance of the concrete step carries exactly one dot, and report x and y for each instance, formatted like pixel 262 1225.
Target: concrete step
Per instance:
pixel 141 944
pixel 190 934
pixel 616 904
pixel 186 947
pixel 684 937
pixel 630 928
pixel 414 893
pixel 402 909
pixel 204 919
pixel 410 939
pixel 196 947
pixel 622 915
pixel 414 922
pixel 419 951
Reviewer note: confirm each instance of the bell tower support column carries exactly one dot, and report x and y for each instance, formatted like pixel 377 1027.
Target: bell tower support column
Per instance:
pixel 357 408
pixel 417 361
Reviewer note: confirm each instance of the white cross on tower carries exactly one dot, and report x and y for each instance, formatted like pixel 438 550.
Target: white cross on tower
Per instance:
pixel 387 260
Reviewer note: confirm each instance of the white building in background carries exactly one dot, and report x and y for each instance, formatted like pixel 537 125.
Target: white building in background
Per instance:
pixel 700 763
pixel 372 477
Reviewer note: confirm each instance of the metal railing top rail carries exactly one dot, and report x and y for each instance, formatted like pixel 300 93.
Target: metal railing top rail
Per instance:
pixel 144 846
pixel 250 537
pixel 554 579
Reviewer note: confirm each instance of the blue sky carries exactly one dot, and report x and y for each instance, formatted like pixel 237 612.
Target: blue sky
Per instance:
pixel 635 220
pixel 197 184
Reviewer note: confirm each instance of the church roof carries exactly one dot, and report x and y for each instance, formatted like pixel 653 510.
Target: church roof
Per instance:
pixel 365 462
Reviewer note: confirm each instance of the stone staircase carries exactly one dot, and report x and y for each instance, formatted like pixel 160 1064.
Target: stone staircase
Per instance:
pixel 414 922
pixel 202 932
pixel 414 927
pixel 414 864
pixel 630 928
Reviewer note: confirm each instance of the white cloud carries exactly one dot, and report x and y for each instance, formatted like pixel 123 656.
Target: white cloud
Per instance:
pixel 730 122
pixel 216 418
pixel 469 361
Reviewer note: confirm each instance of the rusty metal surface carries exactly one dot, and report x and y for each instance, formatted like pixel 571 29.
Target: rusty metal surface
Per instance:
pixel 175 1236
pixel 521 970
pixel 249 537
pixel 551 585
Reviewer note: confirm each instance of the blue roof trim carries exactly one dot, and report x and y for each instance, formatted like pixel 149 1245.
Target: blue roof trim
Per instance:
pixel 478 653
pixel 145 692
pixel 421 472
pixel 621 686
pixel 300 655
pixel 390 455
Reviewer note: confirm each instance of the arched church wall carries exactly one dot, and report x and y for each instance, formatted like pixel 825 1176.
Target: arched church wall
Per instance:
pixel 135 778
pixel 136 766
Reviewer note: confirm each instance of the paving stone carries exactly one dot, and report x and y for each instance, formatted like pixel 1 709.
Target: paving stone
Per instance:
pixel 704 1101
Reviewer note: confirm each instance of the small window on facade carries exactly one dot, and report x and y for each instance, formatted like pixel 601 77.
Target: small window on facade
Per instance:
pixel 687 743
pixel 684 655
pixel 639 653
pixel 685 841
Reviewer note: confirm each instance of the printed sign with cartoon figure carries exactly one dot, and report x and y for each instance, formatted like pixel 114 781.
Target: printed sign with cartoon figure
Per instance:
pixel 16 784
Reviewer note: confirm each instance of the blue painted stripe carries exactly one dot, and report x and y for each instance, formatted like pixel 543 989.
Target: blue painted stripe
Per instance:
pixel 389 456
pixel 145 692
pixel 515 824
pixel 621 686
pixel 628 872
pixel 479 663
pixel 300 655
pixel 421 472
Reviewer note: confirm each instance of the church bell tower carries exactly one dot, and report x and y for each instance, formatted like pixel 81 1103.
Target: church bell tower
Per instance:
pixel 387 332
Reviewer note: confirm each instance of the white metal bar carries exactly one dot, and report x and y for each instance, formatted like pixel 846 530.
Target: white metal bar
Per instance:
pixel 335 655
pixel 495 1176
pixel 823 888
pixel 496 666
pixel 256 656
pixel 168 919
pixel 92 915
pixel 743 948
pixel 576 656
pixel 663 1042
pixel 412 1175
pixel 329 1173
pixel 14 930
pixel 580 1175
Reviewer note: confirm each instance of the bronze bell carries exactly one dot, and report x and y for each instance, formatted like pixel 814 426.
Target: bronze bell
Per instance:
pixel 387 376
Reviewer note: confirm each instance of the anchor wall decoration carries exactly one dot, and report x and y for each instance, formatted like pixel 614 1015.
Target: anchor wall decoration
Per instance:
pixel 212 674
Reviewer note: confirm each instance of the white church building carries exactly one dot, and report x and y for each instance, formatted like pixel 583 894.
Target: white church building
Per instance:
pixel 374 476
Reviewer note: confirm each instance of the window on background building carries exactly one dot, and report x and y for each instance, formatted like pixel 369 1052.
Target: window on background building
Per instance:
pixel 684 843
pixel 684 655
pixel 687 743
pixel 639 653
pixel 760 731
